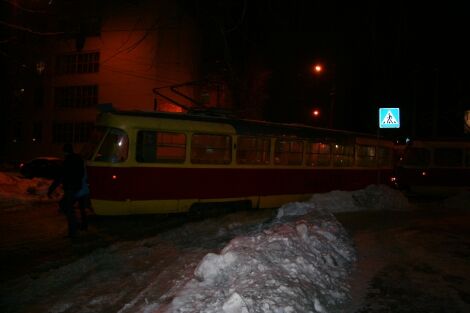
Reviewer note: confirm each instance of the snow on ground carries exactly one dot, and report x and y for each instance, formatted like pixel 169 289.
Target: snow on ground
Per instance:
pixel 297 261
pixel 16 190
pixel 292 265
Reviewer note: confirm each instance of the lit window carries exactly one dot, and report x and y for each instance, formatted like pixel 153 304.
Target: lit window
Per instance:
pixel 211 149
pixel 253 150
pixel 365 156
pixel 288 152
pixel 343 155
pixel 318 154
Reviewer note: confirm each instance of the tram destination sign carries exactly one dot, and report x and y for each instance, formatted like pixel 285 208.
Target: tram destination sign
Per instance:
pixel 389 117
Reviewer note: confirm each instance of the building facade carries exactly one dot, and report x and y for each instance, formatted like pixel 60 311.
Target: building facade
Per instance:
pixel 98 54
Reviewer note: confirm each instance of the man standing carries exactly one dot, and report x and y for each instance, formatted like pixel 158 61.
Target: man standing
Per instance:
pixel 71 178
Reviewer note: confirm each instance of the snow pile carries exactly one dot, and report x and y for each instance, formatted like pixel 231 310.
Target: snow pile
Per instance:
pixel 373 197
pixel 15 190
pixel 296 264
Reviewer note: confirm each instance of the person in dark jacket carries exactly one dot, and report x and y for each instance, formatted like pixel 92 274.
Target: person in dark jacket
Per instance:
pixel 71 178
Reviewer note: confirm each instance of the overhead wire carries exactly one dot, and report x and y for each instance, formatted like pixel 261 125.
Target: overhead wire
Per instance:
pixel 135 44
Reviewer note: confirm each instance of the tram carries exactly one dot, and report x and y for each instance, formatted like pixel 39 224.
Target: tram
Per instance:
pixel 439 167
pixel 153 162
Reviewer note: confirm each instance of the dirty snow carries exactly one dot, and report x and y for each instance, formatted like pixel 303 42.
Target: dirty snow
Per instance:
pixel 297 261
pixel 16 190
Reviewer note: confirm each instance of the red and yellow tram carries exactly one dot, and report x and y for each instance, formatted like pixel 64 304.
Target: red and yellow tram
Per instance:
pixel 148 162
pixel 439 167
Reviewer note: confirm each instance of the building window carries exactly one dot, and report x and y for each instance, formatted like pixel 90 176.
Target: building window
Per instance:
pixel 288 152
pixel 76 96
pixel 78 63
pixel 253 150
pixel 211 149
pixel 161 147
pixel 82 132
pixel 79 132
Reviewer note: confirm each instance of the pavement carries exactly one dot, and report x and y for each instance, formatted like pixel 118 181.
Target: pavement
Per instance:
pixel 411 261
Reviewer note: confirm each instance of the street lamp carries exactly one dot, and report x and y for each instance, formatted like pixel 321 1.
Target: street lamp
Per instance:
pixel 317 68
pixel 316 113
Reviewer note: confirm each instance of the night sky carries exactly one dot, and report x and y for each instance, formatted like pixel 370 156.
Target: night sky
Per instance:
pixel 392 54
pixel 407 54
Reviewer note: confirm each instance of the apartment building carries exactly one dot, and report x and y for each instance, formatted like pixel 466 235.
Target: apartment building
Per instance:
pixel 99 54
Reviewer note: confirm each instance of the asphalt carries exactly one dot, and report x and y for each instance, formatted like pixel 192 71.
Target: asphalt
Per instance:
pixel 411 261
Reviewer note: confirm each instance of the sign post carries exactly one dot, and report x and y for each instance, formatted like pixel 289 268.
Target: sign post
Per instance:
pixel 388 118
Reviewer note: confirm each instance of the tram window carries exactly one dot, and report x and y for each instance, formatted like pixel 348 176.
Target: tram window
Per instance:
pixel 114 147
pixel 160 147
pixel 416 157
pixel 385 156
pixel 211 149
pixel 365 156
pixel 448 157
pixel 288 152
pixel 253 150
pixel 318 154
pixel 343 155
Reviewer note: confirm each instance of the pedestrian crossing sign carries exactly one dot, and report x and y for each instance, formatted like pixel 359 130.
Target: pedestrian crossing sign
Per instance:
pixel 389 117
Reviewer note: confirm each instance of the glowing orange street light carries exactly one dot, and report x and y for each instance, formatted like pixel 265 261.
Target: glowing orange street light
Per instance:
pixel 318 68
pixel 316 113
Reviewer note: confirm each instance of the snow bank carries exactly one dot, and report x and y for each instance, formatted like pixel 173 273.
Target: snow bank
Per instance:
pixel 15 190
pixel 373 197
pixel 295 264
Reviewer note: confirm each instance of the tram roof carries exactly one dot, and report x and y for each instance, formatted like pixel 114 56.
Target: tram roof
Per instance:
pixel 250 127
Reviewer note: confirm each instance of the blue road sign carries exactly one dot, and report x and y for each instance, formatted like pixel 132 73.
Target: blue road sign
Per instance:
pixel 389 117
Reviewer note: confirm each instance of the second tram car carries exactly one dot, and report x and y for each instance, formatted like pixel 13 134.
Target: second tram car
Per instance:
pixel 148 162
pixel 435 167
